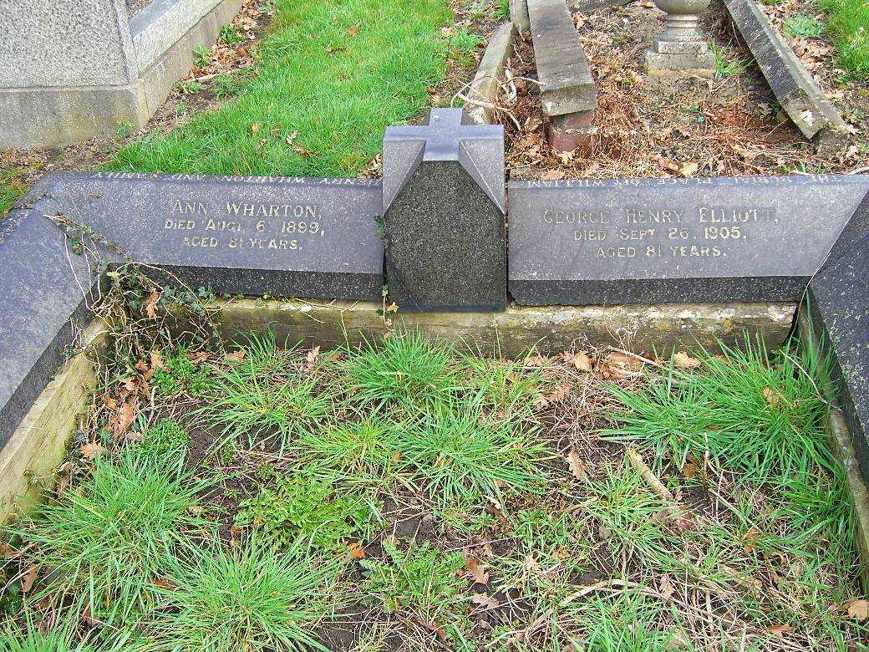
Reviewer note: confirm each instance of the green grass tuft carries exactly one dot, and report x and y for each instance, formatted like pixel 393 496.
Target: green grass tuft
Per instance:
pixel 803 26
pixel 407 371
pixel 107 541
pixel 247 599
pixel 34 640
pixel 757 414
pixel 335 72
pixel 166 440
pixel 180 374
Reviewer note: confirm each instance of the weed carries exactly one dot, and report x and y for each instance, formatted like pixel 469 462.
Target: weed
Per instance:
pixel 179 373
pixel 465 456
pixel 464 41
pixel 201 56
pixel 190 87
pixel 760 416
pixel 629 623
pixel 304 508
pixel 407 371
pixel 362 450
pixel 247 599
pixel 124 129
pixel 502 9
pixel 230 84
pixel 504 387
pixel 11 188
pixel 725 64
pixel 231 36
pixel 166 441
pixel 105 543
pixel 421 580
pixel 803 26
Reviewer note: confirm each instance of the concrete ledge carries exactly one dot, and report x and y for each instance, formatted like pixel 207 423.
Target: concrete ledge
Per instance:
pixel 162 24
pixel 515 331
pixel 562 67
pixel 31 456
pixel 485 87
pixel 157 81
pixel 796 91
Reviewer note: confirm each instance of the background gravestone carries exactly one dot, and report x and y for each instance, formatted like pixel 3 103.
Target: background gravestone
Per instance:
pixel 443 202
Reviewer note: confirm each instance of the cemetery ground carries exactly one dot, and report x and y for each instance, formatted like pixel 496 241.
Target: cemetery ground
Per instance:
pixel 406 495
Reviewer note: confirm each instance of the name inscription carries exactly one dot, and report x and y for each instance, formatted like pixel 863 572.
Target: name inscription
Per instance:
pixel 235 225
pixel 655 231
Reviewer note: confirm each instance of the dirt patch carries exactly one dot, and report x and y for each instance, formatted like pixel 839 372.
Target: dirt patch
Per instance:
pixel 728 126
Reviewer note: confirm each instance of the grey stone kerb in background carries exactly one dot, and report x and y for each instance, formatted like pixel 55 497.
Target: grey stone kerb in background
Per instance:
pixel 74 69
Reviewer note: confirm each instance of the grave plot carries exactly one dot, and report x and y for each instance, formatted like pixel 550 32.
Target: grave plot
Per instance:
pixel 682 126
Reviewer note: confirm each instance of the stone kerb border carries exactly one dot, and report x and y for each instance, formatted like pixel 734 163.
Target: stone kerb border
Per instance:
pixel 585 243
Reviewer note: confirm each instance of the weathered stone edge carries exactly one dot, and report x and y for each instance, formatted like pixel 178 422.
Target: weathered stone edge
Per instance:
pixel 485 88
pixel 798 93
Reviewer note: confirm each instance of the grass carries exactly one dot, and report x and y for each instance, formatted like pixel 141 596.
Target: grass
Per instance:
pixel 436 504
pixel 848 24
pixel 336 72
pixel 726 65
pixel 11 188
pixel 108 541
pixel 803 26
pixel 244 599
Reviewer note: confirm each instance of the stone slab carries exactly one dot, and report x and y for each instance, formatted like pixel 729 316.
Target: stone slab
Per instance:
pixel 674 240
pixel 517 330
pixel 443 202
pixel 486 85
pixel 562 67
pixel 587 6
pixel 839 304
pixel 158 26
pixel 519 15
pixel 259 236
pixel 796 91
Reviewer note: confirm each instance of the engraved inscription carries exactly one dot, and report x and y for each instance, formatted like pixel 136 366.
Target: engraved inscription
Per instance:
pixel 244 225
pixel 657 231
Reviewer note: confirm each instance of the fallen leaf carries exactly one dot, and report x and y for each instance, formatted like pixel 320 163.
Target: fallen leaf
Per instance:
pixel 235 356
pixel 356 550
pixel 123 419
pixel 553 175
pixel 684 361
pixel 780 630
pixel 198 357
pixel 772 397
pixel 666 587
pixel 255 128
pixel 92 450
pixel 162 583
pixel 134 437
pixel 311 357
pixel 582 361
pixel 476 571
pixel 28 578
pixel 157 361
pixel 688 169
pixel 291 137
pixel 750 539
pixel 858 609
pixel 150 304
pixel 689 470
pixel 531 564
pixel 353 31
pixel 485 601
pixel 577 466
pixel 558 394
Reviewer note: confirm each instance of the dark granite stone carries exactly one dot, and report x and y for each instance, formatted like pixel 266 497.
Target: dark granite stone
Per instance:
pixel 44 292
pixel 443 199
pixel 652 241
pixel 296 237
pixel 839 303
pixel 312 238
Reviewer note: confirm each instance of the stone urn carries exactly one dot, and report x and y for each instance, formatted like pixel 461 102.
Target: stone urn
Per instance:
pixel 681 47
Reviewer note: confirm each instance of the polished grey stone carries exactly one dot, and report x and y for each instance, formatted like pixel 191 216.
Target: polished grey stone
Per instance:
pixel 443 201
pixel 839 307
pixel 256 235
pixel 590 242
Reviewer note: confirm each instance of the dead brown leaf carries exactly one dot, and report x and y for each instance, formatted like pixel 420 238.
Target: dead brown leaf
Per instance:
pixel 485 601
pixel 665 586
pixel 682 360
pixel 475 570
pixel 92 450
pixel 750 539
pixel 356 550
pixel 858 609
pixel 198 357
pixel 150 304
pixel 353 31
pixel 311 358
pixel 29 577
pixel 577 466
pixel 772 397
pixel 582 361
pixel 780 630
pixel 558 394
pixel 123 418
pixel 235 356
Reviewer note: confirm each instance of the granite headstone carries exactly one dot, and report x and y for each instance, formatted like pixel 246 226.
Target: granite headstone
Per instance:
pixel 443 202
pixel 649 241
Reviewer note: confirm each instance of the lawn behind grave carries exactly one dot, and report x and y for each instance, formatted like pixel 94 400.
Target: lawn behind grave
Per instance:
pixel 330 77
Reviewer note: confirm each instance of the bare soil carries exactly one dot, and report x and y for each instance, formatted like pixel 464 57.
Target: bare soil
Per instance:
pixel 648 127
